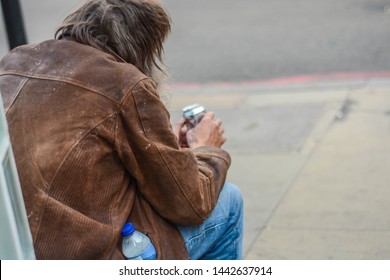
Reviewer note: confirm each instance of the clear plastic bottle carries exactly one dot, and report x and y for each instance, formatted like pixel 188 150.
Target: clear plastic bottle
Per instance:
pixel 136 245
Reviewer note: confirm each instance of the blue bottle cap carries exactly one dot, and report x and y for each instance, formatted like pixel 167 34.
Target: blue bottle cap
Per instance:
pixel 128 229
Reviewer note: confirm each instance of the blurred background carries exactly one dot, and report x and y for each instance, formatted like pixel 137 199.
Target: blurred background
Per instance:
pixel 303 89
pixel 230 40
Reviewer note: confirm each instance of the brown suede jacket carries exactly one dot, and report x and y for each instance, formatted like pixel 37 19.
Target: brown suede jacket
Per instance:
pixel 94 148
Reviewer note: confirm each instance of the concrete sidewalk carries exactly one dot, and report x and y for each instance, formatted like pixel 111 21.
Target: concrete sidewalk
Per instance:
pixel 313 163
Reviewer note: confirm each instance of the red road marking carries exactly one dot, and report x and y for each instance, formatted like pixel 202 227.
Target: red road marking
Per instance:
pixel 284 81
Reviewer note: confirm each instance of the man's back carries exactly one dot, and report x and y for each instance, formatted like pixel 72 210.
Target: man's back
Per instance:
pixel 62 101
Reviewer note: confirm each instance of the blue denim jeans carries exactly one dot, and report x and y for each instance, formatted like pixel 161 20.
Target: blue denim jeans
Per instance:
pixel 220 236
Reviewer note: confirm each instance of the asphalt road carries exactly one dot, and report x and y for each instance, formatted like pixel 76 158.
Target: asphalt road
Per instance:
pixel 230 40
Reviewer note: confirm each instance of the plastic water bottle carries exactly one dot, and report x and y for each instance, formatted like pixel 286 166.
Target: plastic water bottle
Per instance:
pixel 136 245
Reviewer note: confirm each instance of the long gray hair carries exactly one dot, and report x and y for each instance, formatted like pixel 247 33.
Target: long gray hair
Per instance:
pixel 135 30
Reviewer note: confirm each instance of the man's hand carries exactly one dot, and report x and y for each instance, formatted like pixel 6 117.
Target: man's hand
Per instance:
pixel 180 129
pixel 208 132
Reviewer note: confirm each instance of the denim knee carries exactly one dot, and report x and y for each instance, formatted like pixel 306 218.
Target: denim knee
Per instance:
pixel 235 196
pixel 220 236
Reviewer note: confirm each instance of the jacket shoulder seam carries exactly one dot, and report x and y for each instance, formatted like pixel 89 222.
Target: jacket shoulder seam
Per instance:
pixel 76 144
pixel 19 89
pixel 65 80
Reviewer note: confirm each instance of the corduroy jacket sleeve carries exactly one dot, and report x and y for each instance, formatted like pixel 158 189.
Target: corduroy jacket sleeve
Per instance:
pixel 182 185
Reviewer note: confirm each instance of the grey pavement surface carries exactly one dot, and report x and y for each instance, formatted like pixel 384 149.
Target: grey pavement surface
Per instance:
pixel 313 165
